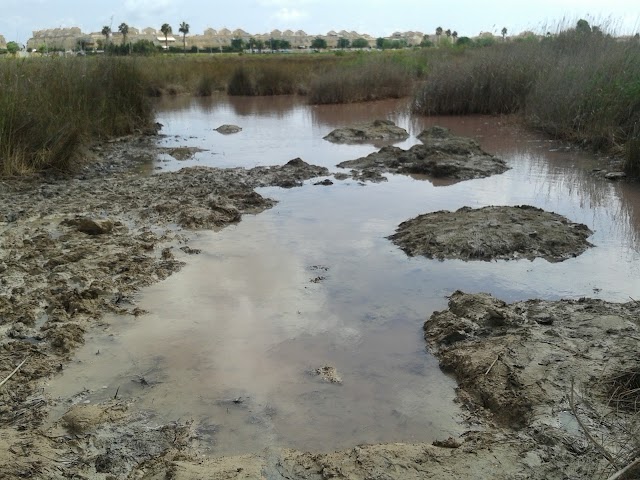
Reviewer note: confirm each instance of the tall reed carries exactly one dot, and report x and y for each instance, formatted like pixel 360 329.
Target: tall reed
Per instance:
pixel 51 107
pixel 583 86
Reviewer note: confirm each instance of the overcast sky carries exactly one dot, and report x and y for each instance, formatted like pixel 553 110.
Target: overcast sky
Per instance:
pixel 18 18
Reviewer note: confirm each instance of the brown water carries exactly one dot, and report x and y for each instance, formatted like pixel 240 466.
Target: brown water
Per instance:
pixel 243 321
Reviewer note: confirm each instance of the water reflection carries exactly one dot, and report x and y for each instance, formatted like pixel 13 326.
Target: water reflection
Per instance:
pixel 244 320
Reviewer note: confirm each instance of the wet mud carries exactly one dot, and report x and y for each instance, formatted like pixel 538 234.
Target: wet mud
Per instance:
pixel 492 233
pixel 538 380
pixel 441 155
pixel 378 130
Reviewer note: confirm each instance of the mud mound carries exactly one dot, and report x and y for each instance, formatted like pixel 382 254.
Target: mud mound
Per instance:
pixel 492 233
pixel 442 155
pixel 516 362
pixel 378 130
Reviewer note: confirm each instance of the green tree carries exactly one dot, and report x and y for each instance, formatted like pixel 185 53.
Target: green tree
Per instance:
pixel 454 34
pixel 343 43
pixel 504 33
pixel 260 45
pixel 426 42
pixel 438 33
pixel 360 43
pixel 166 30
pixel 464 41
pixel 380 43
pixel 285 44
pixel 106 31
pixel 13 47
pixel 583 26
pixel 319 43
pixel 237 44
pixel 144 47
pixel 184 29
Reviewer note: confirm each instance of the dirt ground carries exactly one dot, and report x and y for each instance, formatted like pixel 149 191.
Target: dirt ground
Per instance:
pixel 492 233
pixel 441 155
pixel 76 247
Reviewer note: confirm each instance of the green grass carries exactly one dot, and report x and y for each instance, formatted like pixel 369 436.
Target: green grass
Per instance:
pixel 50 108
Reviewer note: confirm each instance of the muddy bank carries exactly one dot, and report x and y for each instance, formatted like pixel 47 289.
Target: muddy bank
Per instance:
pixel 441 155
pixel 74 248
pixel 493 233
pixel 549 370
pixel 378 130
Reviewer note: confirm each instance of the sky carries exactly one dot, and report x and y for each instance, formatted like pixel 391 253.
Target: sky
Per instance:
pixel 18 18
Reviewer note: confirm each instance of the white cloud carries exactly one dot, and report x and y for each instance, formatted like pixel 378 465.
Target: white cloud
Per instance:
pixel 289 15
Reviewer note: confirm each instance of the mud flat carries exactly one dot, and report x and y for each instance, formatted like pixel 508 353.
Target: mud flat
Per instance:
pixel 493 233
pixel 72 249
pixel 560 375
pixel 441 155
pixel 378 130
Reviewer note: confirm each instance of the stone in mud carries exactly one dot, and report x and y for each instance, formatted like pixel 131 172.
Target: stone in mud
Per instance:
pixel 181 153
pixel 82 418
pixel 326 182
pixel 442 155
pixel 615 175
pixel 328 374
pixel 383 130
pixel 492 233
pixel 92 226
pixel 228 129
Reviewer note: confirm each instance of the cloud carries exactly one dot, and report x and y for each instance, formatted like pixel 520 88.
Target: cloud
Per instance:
pixel 289 15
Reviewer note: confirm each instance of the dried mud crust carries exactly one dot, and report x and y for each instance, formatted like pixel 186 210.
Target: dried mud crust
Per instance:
pixel 523 365
pixel 441 155
pixel 378 130
pixel 492 233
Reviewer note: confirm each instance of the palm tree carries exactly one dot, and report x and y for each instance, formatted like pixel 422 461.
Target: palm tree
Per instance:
pixel 504 33
pixel 106 31
pixel 166 30
pixel 455 36
pixel 124 30
pixel 438 33
pixel 184 29
pixel 448 33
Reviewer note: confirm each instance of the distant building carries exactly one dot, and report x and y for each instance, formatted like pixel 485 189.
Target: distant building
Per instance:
pixel 3 42
pixel 74 39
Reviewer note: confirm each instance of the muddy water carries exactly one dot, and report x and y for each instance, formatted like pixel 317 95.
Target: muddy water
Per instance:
pixel 232 339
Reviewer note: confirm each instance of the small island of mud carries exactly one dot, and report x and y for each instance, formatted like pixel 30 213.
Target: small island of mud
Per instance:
pixel 441 155
pixel 378 130
pixel 493 233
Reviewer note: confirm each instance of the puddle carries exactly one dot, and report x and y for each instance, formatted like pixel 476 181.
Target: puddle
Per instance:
pixel 232 339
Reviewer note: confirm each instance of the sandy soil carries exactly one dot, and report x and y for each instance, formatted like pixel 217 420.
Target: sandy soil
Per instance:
pixel 491 233
pixel 442 155
pixel 73 248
